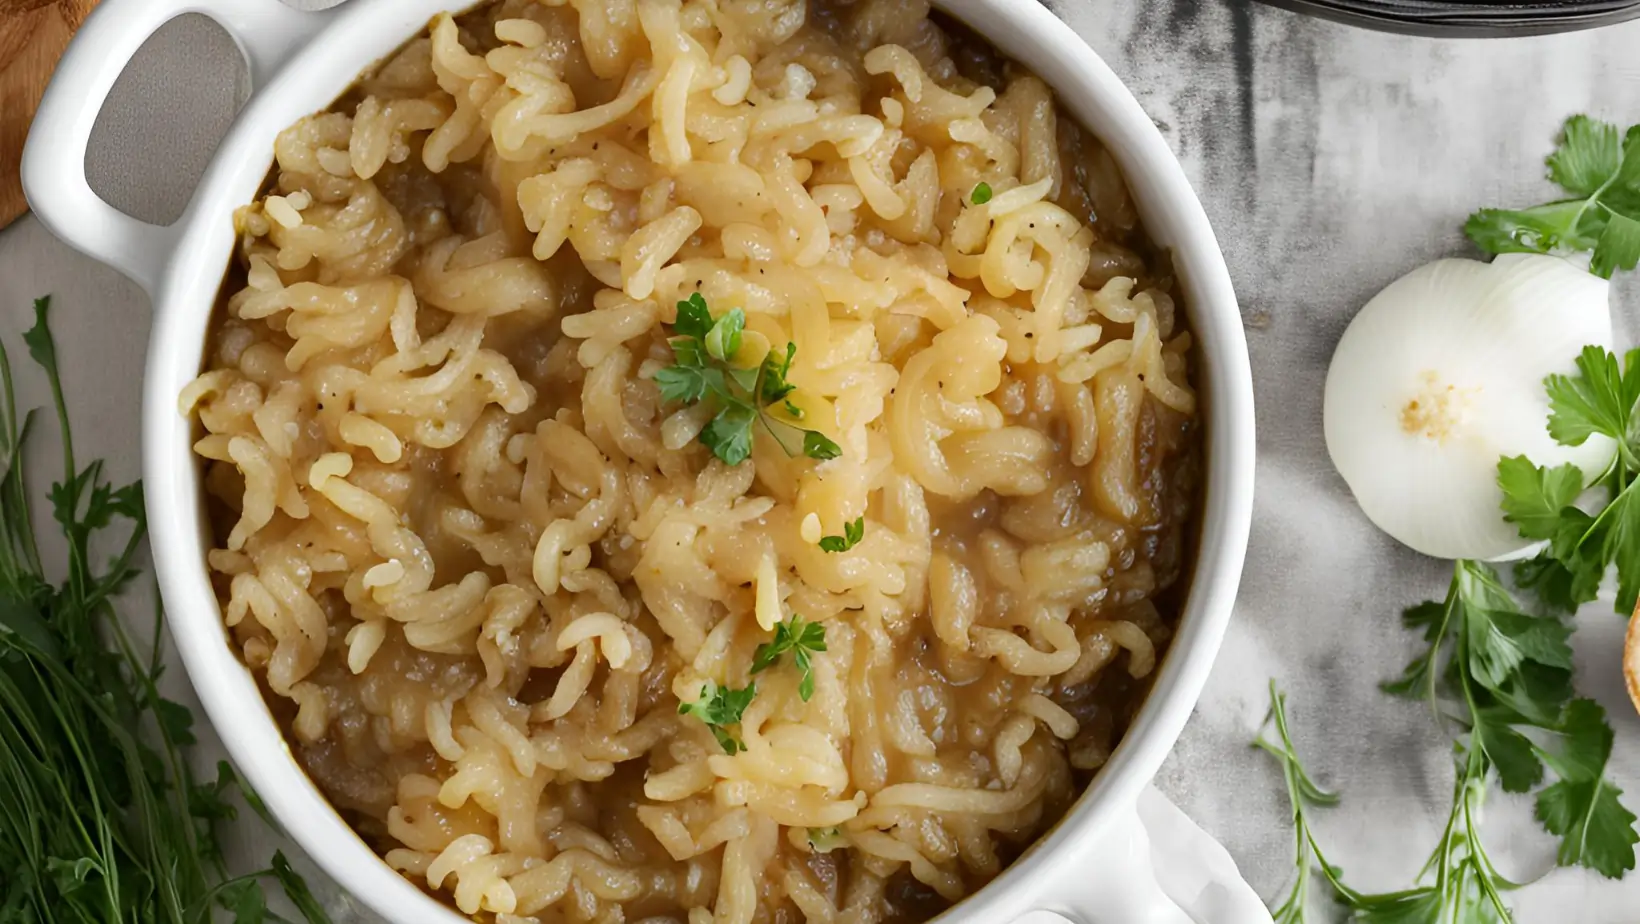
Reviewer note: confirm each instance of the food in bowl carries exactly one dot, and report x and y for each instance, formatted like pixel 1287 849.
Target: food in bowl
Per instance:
pixel 722 461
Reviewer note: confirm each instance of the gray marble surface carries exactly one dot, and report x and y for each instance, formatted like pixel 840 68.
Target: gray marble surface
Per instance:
pixel 1330 161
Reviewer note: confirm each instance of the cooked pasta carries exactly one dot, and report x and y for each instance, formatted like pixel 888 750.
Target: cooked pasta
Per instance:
pixel 523 622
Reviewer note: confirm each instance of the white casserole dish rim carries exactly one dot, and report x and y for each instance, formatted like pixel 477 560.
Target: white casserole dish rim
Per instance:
pixel 300 62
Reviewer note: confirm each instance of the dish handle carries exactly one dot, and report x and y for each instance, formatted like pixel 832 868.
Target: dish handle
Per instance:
pixel 53 167
pixel 1151 865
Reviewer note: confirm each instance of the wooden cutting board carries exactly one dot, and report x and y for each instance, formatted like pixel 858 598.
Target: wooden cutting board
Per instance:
pixel 33 34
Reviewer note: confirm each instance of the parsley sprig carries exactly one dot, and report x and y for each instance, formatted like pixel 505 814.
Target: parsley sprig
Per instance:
pixel 800 637
pixel 703 371
pixel 1302 794
pixel 721 707
pixel 1599 168
pixel 852 534
pixel 1500 681
pixel 1603 398
pixel 1458 882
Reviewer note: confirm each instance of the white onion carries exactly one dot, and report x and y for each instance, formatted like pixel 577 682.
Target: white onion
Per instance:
pixel 1440 375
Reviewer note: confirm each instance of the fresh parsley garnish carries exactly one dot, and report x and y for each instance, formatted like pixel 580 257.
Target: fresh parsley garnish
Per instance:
pixel 703 350
pixel 720 707
pixel 1599 168
pixel 694 317
pixel 981 194
pixel 800 637
pixel 1603 398
pixel 775 387
pixel 852 534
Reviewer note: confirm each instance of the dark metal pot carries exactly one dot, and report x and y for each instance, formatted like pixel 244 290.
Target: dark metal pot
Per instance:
pixel 1458 19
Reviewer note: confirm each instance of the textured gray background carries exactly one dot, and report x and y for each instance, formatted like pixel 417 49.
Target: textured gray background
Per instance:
pixel 1330 160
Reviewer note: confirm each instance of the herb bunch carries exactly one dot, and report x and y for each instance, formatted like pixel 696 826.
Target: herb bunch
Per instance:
pixel 704 350
pixel 1598 165
pixel 1499 679
pixel 102 821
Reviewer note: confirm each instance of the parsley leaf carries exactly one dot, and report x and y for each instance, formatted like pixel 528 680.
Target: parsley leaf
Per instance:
pixel 800 637
pixel 852 534
pixel 719 707
pixel 702 372
pixel 1601 214
pixel 245 899
pixel 686 384
pixel 1585 742
pixel 1592 402
pixel 1596 830
pixel 1590 152
pixel 1501 641
pixel 1618 248
pixel 1558 587
pixel 1431 617
pixel 775 367
pixel 1459 881
pixel 1519 766
pixel 729 435
pixel 723 340
pixel 694 319
pixel 103 816
pixel 1533 497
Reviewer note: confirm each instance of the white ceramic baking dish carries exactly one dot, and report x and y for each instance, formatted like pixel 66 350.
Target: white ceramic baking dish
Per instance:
pixel 1123 855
